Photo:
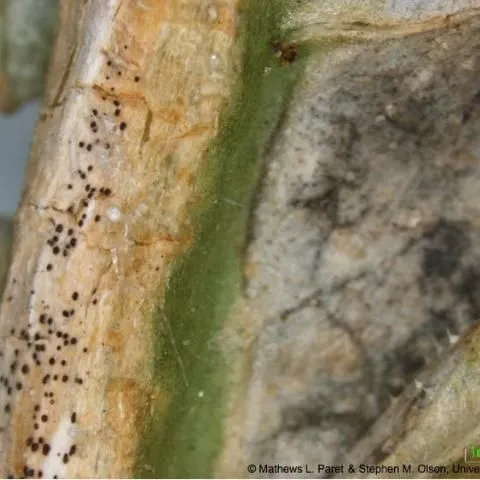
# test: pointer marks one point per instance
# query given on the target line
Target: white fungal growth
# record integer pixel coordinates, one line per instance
(61, 442)
(114, 214)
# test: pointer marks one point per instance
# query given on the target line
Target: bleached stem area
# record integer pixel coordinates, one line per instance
(133, 97)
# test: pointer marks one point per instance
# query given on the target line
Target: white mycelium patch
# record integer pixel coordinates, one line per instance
(114, 214)
(60, 446)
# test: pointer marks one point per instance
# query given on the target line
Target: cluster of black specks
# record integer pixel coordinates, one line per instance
(88, 190)
(46, 343)
(36, 347)
(37, 444)
(60, 242)
(114, 70)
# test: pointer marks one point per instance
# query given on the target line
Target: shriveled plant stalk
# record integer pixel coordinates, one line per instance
(133, 99)
(134, 337)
